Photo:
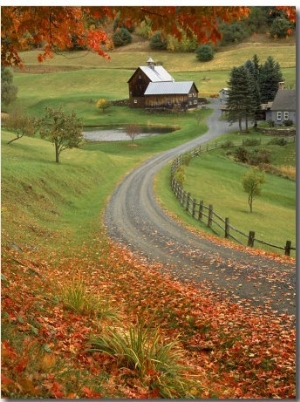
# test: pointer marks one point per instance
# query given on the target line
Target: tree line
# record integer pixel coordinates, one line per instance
(251, 85)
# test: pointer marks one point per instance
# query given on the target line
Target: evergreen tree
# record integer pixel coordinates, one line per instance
(253, 68)
(269, 78)
(240, 102)
(8, 89)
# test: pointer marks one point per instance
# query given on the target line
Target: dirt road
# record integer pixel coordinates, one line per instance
(134, 219)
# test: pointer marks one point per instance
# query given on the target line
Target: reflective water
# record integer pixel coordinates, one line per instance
(119, 134)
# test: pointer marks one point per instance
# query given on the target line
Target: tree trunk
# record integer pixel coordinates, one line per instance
(14, 139)
(56, 152)
(240, 124)
(250, 200)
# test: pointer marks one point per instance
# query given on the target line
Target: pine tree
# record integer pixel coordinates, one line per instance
(240, 103)
(269, 78)
(253, 68)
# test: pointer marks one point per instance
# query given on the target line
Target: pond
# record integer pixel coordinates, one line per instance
(119, 133)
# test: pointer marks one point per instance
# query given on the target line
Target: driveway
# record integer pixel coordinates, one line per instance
(135, 220)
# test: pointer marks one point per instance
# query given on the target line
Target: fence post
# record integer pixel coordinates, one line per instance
(226, 228)
(188, 201)
(251, 238)
(183, 197)
(210, 215)
(287, 249)
(200, 211)
(194, 208)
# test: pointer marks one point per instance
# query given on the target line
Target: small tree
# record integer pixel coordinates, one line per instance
(122, 37)
(103, 104)
(132, 130)
(158, 41)
(8, 89)
(64, 130)
(205, 53)
(252, 181)
(20, 124)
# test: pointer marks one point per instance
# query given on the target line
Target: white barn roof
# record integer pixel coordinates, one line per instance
(174, 88)
(156, 73)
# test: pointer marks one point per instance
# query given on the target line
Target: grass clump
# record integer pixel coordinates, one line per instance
(78, 298)
(142, 351)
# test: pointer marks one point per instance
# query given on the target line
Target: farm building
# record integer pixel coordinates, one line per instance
(283, 107)
(152, 86)
(223, 95)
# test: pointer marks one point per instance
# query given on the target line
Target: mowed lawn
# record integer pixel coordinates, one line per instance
(218, 181)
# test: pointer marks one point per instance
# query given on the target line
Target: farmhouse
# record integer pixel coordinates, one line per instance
(283, 107)
(152, 86)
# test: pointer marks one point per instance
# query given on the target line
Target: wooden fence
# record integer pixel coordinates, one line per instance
(206, 213)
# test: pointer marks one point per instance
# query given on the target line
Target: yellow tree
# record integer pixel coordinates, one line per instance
(103, 104)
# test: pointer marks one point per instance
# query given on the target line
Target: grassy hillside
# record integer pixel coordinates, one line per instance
(68, 292)
(98, 77)
(66, 289)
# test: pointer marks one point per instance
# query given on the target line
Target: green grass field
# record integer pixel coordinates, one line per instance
(78, 79)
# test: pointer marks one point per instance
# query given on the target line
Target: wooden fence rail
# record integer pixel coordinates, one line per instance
(204, 213)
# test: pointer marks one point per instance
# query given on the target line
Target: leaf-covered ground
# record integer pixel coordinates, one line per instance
(230, 351)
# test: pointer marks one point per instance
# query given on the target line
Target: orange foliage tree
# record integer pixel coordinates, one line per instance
(24, 27)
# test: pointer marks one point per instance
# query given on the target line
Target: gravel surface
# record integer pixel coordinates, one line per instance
(135, 220)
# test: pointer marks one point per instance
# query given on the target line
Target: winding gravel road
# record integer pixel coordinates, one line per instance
(134, 219)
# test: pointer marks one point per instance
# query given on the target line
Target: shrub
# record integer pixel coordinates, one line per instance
(278, 141)
(241, 154)
(122, 37)
(234, 32)
(204, 53)
(227, 144)
(288, 123)
(144, 29)
(251, 141)
(271, 123)
(158, 42)
(180, 175)
(258, 156)
(280, 27)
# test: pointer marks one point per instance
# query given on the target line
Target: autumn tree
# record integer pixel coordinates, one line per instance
(64, 130)
(103, 104)
(252, 181)
(20, 124)
(23, 27)
(133, 130)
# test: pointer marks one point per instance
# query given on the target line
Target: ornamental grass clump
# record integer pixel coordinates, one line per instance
(77, 297)
(142, 350)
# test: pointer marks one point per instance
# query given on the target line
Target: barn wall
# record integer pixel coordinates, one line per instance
(137, 101)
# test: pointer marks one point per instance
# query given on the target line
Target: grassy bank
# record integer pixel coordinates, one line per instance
(216, 180)
(66, 290)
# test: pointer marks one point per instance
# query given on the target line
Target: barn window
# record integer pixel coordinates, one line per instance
(135, 101)
(286, 115)
(279, 115)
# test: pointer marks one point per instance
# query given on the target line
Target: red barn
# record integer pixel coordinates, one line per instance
(152, 86)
